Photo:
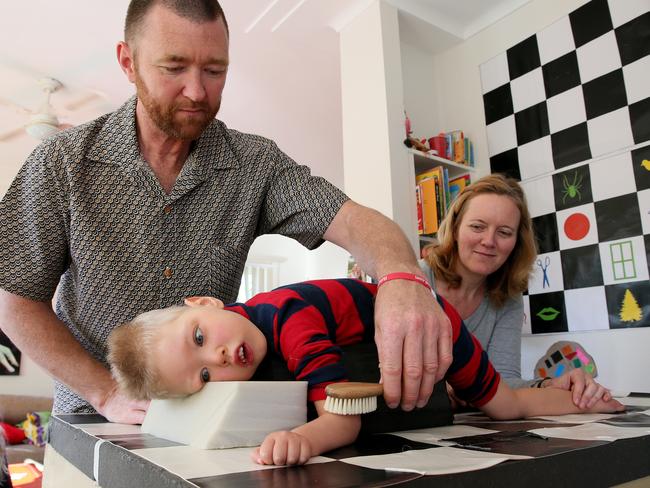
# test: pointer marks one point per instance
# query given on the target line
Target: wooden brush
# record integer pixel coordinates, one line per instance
(351, 398)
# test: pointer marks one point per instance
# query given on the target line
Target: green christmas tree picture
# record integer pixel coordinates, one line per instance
(630, 310)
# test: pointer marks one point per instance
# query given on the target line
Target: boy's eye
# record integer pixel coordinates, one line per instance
(198, 336)
(205, 375)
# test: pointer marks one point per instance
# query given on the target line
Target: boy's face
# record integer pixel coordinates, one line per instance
(206, 343)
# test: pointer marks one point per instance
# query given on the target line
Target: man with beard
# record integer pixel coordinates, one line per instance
(159, 200)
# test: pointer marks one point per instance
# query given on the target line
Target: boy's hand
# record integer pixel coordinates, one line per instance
(283, 448)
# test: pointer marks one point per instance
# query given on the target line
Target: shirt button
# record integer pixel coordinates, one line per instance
(167, 209)
(168, 272)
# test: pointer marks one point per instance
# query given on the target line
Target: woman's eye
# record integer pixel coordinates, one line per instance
(205, 375)
(198, 336)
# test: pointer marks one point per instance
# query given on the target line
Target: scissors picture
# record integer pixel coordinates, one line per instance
(544, 268)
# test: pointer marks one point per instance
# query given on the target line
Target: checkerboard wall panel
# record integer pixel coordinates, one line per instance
(583, 81)
(568, 113)
(592, 224)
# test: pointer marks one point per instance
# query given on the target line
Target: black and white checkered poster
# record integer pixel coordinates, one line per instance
(568, 113)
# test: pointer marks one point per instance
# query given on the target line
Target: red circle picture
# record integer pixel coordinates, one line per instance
(576, 226)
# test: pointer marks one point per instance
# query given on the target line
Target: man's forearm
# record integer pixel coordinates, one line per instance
(36, 331)
(376, 242)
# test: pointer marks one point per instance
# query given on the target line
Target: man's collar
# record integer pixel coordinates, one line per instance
(117, 143)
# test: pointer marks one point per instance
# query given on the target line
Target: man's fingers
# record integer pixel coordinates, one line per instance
(430, 362)
(412, 367)
(391, 368)
(445, 346)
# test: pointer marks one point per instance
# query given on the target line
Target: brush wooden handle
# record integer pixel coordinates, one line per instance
(348, 390)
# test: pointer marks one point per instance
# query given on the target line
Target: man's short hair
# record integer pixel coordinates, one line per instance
(130, 349)
(194, 10)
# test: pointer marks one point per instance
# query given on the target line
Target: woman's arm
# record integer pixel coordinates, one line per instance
(508, 404)
(329, 431)
(503, 342)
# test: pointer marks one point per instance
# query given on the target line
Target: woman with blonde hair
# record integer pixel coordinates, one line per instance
(481, 265)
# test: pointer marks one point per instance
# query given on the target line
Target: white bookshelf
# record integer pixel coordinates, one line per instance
(424, 162)
(420, 163)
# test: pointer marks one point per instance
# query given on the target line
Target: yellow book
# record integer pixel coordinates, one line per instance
(429, 206)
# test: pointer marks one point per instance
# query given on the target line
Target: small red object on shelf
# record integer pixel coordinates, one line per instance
(439, 144)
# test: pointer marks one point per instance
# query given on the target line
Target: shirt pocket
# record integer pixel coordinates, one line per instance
(226, 267)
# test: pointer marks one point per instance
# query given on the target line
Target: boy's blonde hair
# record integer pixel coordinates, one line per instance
(512, 277)
(129, 353)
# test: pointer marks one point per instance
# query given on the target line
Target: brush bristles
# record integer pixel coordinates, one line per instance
(351, 406)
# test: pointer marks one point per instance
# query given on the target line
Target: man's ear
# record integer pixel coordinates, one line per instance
(126, 60)
(198, 301)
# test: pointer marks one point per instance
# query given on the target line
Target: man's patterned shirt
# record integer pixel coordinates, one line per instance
(87, 213)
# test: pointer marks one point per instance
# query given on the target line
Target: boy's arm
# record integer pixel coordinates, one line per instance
(510, 404)
(323, 434)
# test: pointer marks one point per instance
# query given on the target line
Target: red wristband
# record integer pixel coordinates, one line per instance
(404, 276)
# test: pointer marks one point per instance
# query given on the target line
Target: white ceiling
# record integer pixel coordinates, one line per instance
(74, 41)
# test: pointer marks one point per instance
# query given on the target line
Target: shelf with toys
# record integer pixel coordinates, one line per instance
(437, 179)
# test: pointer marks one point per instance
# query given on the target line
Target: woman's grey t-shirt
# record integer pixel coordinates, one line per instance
(499, 332)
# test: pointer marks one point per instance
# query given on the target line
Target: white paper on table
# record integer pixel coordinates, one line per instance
(593, 432)
(227, 414)
(435, 435)
(189, 462)
(439, 460)
(109, 428)
(576, 418)
(635, 401)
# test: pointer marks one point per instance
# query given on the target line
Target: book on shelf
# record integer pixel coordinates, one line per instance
(434, 193)
(457, 185)
(437, 174)
(418, 198)
(428, 195)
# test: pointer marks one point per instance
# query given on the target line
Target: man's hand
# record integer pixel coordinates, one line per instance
(414, 342)
(119, 408)
(283, 448)
(7, 359)
(586, 391)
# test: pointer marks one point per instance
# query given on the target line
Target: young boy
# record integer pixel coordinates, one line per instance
(175, 351)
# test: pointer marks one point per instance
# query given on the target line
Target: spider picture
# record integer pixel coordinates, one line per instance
(572, 189)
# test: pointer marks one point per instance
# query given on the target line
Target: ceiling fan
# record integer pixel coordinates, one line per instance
(44, 122)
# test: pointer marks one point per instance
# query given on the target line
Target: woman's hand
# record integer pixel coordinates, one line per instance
(586, 391)
(283, 448)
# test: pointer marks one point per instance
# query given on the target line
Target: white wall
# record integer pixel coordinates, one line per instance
(621, 355)
(419, 73)
(296, 102)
